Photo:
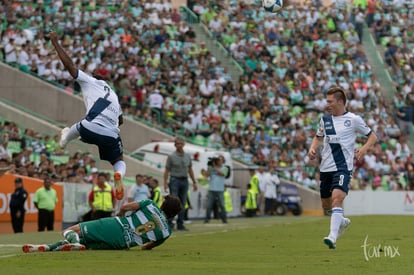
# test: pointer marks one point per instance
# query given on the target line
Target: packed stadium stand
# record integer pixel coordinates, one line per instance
(168, 78)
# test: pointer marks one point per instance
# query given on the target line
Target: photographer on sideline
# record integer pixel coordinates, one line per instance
(217, 173)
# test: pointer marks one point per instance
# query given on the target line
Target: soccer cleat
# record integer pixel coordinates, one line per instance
(119, 186)
(345, 223)
(329, 242)
(29, 248)
(72, 247)
(63, 135)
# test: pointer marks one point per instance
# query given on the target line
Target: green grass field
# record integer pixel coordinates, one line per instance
(268, 245)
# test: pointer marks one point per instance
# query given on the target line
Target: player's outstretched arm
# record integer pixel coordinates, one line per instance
(148, 245)
(66, 60)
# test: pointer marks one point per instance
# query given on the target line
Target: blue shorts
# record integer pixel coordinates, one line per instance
(110, 148)
(334, 180)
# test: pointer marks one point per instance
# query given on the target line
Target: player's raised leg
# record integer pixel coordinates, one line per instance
(67, 134)
(120, 169)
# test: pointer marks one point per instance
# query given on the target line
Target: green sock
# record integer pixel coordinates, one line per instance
(71, 236)
(54, 246)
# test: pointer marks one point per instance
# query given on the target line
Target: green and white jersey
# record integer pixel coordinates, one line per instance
(146, 224)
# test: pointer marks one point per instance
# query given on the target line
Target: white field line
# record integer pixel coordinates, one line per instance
(9, 245)
(8, 256)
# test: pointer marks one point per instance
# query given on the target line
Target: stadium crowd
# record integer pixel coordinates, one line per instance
(268, 117)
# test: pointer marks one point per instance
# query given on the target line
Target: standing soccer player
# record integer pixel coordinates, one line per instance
(103, 118)
(338, 131)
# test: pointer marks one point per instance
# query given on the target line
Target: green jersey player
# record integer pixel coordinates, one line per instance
(147, 227)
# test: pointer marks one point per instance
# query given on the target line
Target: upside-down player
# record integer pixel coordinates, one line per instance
(103, 117)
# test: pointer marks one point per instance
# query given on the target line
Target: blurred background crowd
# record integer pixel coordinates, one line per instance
(166, 77)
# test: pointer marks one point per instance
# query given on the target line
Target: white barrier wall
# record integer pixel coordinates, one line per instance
(75, 202)
(370, 202)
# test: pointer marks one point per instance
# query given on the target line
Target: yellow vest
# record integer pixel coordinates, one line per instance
(250, 200)
(202, 180)
(102, 199)
(228, 205)
(157, 196)
(254, 183)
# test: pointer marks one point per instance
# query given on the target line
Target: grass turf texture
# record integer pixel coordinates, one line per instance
(268, 245)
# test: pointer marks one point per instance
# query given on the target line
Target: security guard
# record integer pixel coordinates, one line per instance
(228, 204)
(156, 192)
(101, 198)
(250, 204)
(17, 209)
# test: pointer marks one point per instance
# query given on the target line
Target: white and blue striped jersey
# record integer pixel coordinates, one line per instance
(339, 133)
(92, 90)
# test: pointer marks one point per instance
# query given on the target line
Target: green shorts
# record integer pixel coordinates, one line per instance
(106, 233)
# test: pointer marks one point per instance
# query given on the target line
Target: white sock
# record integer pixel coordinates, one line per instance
(72, 134)
(336, 220)
(120, 167)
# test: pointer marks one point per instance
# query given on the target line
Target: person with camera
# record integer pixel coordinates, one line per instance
(217, 173)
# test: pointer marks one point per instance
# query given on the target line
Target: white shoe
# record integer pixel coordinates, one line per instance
(72, 247)
(63, 135)
(345, 223)
(330, 242)
(29, 248)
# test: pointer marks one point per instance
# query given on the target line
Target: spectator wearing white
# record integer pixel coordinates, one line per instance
(207, 87)
(264, 149)
(298, 174)
(10, 51)
(196, 117)
(216, 26)
(270, 183)
(370, 159)
(4, 152)
(189, 125)
(261, 175)
(320, 102)
(25, 157)
(47, 73)
(402, 148)
(23, 58)
(156, 101)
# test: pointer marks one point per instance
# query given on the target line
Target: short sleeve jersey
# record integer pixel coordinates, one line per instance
(92, 89)
(148, 224)
(339, 134)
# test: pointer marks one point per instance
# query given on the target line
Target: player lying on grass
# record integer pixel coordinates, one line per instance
(147, 226)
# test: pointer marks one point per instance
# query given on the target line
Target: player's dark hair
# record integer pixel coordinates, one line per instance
(338, 93)
(171, 206)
